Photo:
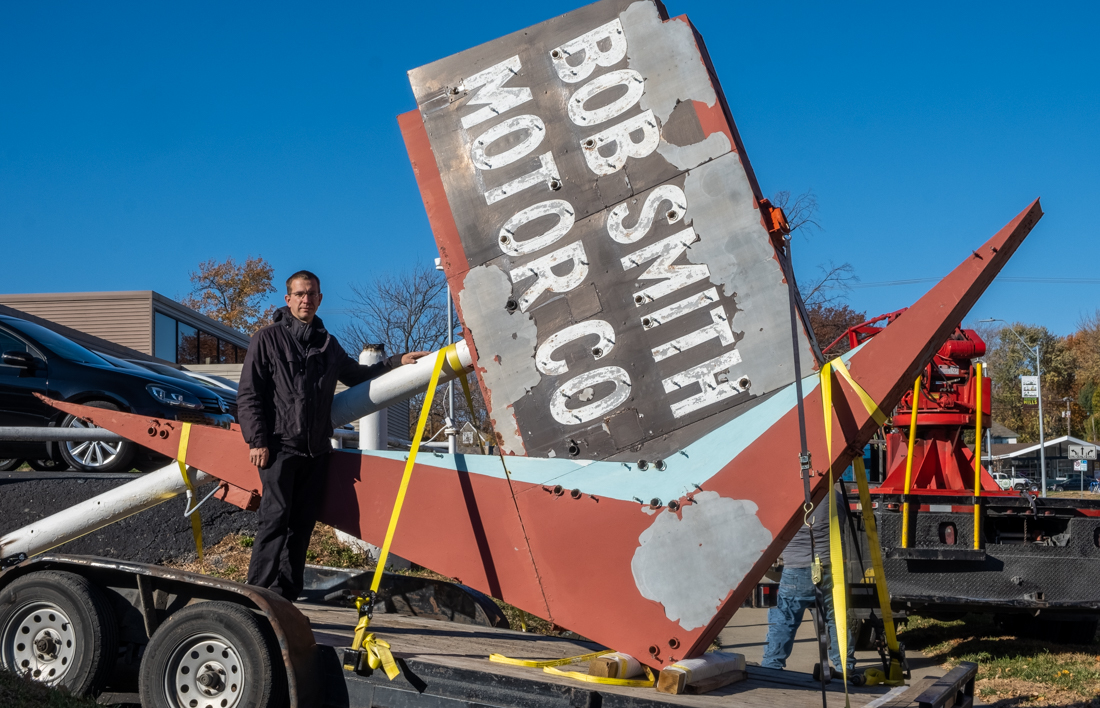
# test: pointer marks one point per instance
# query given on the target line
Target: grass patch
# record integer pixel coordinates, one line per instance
(1012, 670)
(229, 559)
(19, 692)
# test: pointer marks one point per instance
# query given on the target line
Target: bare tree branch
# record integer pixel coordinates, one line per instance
(801, 211)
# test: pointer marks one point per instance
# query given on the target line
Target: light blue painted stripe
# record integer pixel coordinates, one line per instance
(695, 464)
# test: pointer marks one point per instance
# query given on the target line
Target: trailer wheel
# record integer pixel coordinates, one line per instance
(58, 628)
(213, 655)
(12, 464)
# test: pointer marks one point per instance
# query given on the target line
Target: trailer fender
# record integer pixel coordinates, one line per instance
(292, 630)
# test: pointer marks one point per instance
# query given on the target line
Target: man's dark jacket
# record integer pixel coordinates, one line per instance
(289, 378)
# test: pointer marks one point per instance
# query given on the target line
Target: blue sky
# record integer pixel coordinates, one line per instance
(137, 139)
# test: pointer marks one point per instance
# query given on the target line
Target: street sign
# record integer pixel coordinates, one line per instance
(1080, 465)
(1029, 386)
(1082, 452)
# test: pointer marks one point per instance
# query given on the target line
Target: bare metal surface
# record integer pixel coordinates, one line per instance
(611, 264)
(37, 434)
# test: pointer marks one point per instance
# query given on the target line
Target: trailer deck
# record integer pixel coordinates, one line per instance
(446, 664)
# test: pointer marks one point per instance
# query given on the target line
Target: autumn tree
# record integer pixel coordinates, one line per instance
(233, 293)
(1007, 359)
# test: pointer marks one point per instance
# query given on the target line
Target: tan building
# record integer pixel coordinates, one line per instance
(141, 320)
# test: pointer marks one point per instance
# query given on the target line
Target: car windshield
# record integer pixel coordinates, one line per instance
(61, 346)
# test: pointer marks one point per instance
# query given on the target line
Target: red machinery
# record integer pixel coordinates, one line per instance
(942, 462)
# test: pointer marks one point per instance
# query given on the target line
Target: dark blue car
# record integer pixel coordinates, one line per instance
(34, 359)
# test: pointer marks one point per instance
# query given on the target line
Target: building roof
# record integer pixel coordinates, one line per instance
(1000, 431)
(160, 302)
(1014, 450)
(96, 344)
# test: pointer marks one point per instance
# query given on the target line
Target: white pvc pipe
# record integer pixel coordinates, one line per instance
(373, 427)
(159, 486)
(146, 491)
(394, 386)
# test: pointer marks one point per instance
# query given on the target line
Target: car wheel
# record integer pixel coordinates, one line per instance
(57, 628)
(1059, 488)
(96, 456)
(1019, 486)
(213, 653)
(48, 465)
(6, 465)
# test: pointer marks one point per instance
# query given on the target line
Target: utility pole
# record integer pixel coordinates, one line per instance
(451, 429)
(1039, 381)
(1067, 415)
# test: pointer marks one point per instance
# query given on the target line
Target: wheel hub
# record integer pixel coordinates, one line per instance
(205, 672)
(39, 641)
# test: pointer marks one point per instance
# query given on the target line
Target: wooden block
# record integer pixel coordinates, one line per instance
(705, 673)
(604, 666)
(716, 682)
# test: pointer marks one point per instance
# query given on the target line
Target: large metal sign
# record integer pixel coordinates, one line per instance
(602, 230)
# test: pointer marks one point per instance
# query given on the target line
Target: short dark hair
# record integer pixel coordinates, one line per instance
(302, 275)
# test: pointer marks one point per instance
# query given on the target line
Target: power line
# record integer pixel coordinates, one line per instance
(1048, 281)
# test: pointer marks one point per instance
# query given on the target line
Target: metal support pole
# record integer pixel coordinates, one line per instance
(452, 433)
(1042, 435)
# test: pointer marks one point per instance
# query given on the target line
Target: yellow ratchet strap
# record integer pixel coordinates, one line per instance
(836, 548)
(378, 650)
(909, 465)
(181, 458)
(871, 526)
(548, 666)
(647, 682)
(542, 664)
(978, 463)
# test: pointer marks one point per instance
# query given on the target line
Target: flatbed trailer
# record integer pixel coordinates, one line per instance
(442, 663)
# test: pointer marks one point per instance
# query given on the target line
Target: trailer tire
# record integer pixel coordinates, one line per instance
(74, 622)
(12, 464)
(47, 465)
(214, 654)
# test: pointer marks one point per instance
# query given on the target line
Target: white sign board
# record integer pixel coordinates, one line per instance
(1029, 386)
(1082, 452)
(1080, 465)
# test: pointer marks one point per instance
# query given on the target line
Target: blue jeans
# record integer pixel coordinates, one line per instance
(796, 595)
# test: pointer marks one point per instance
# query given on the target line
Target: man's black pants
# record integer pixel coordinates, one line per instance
(294, 488)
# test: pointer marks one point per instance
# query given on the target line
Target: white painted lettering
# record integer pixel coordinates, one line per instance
(603, 331)
(560, 208)
(709, 377)
(544, 174)
(673, 277)
(719, 327)
(665, 193)
(532, 125)
(678, 309)
(582, 387)
(491, 91)
(578, 58)
(619, 138)
(635, 87)
(546, 279)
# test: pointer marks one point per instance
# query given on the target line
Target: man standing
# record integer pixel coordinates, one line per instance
(797, 592)
(285, 411)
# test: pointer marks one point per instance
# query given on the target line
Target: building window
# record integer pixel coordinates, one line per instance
(208, 348)
(187, 345)
(164, 337)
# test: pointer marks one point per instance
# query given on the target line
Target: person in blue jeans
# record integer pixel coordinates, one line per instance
(796, 593)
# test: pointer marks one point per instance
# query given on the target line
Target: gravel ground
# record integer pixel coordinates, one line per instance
(150, 536)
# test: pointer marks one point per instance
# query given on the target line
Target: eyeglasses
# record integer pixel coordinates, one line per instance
(303, 294)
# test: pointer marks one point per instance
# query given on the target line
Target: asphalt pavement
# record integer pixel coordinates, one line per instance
(150, 536)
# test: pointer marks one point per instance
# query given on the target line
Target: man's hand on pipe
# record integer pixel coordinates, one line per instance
(411, 357)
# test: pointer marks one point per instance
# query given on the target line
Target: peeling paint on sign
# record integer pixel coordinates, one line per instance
(588, 163)
(691, 563)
